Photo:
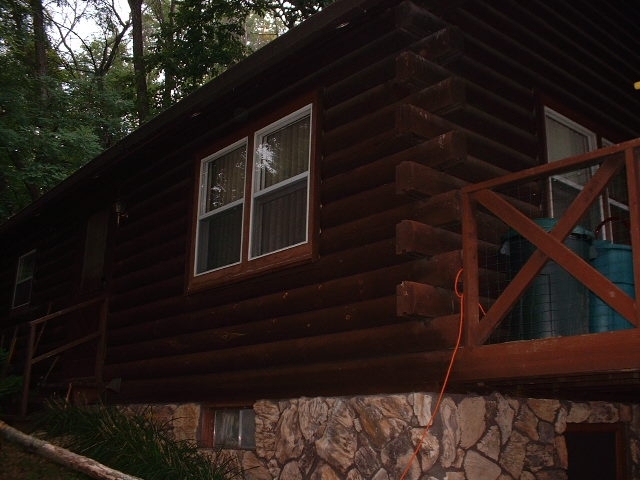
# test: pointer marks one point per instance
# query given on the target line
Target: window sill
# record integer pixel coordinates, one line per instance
(266, 264)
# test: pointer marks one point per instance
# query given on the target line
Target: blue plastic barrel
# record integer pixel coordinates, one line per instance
(555, 304)
(615, 262)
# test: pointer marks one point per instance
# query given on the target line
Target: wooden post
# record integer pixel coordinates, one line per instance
(27, 369)
(471, 297)
(632, 158)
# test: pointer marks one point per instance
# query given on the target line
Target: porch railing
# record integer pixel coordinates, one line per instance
(36, 331)
(489, 197)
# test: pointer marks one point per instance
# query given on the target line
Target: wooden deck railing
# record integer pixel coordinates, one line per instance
(36, 330)
(550, 246)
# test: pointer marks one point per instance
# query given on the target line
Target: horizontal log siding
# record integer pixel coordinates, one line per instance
(404, 96)
(342, 306)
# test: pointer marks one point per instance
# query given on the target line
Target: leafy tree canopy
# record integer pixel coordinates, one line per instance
(68, 92)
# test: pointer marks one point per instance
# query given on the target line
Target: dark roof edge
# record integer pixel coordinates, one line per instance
(296, 39)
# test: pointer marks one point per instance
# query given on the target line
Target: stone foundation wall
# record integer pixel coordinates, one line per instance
(472, 438)
(374, 437)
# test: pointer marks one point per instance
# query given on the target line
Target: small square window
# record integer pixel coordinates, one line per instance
(24, 279)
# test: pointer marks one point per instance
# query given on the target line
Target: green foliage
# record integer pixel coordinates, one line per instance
(134, 443)
(51, 125)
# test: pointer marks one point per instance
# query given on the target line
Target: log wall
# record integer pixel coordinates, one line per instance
(415, 101)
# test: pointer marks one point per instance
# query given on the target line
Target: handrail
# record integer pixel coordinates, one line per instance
(549, 244)
(99, 334)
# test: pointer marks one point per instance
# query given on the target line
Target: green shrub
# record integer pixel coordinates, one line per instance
(134, 443)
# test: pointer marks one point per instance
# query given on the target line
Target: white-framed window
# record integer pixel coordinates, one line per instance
(566, 138)
(24, 279)
(235, 428)
(254, 200)
(280, 193)
(221, 208)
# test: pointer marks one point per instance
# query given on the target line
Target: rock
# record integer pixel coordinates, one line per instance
(602, 412)
(288, 444)
(578, 413)
(381, 475)
(253, 468)
(450, 432)
(527, 423)
(338, 444)
(561, 452)
(513, 455)
(478, 467)
(490, 443)
(324, 472)
(471, 415)
(291, 471)
(561, 421)
(397, 456)
(312, 416)
(552, 475)
(422, 407)
(429, 448)
(185, 421)
(546, 432)
(267, 416)
(366, 460)
(544, 409)
(354, 475)
(539, 456)
(504, 418)
(382, 418)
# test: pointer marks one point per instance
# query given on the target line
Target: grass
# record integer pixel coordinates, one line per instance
(18, 464)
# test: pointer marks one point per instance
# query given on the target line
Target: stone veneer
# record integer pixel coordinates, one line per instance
(373, 437)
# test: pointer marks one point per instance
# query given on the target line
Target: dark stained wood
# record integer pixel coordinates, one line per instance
(422, 300)
(417, 180)
(441, 150)
(406, 336)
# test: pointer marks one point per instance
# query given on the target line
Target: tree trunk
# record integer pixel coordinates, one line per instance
(62, 456)
(40, 45)
(142, 97)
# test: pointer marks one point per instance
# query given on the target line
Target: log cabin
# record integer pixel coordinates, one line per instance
(317, 249)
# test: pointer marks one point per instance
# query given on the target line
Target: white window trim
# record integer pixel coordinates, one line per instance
(202, 195)
(21, 259)
(307, 110)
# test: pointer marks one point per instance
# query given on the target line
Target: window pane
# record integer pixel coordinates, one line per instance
(220, 236)
(225, 179)
(280, 218)
(282, 154)
(24, 279)
(248, 428)
(227, 428)
(564, 141)
(563, 195)
(26, 265)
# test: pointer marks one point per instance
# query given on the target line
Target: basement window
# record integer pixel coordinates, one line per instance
(24, 279)
(255, 200)
(597, 451)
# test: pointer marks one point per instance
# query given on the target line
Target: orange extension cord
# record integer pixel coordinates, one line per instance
(446, 377)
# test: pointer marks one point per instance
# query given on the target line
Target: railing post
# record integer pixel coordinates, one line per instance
(26, 376)
(632, 163)
(471, 298)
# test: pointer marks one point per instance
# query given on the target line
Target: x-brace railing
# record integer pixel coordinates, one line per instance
(549, 245)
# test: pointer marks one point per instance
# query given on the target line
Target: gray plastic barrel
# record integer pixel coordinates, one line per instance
(555, 304)
(615, 262)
